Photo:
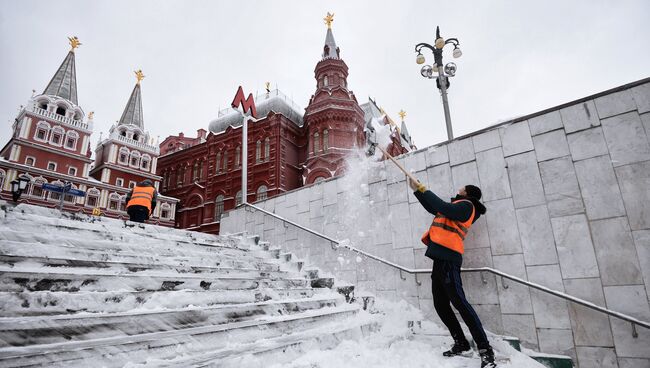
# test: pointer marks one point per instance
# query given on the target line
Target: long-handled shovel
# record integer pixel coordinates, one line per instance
(373, 143)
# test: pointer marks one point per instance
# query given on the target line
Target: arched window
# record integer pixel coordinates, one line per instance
(56, 138)
(326, 140)
(134, 160)
(71, 139)
(123, 133)
(146, 159)
(114, 202)
(195, 171)
(258, 151)
(218, 207)
(237, 157)
(316, 142)
(325, 81)
(42, 104)
(238, 198)
(37, 187)
(124, 156)
(92, 197)
(225, 160)
(180, 175)
(60, 110)
(165, 211)
(136, 137)
(261, 193)
(267, 149)
(42, 131)
(218, 163)
(319, 179)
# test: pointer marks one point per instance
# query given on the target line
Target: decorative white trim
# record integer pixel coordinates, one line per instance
(48, 165)
(33, 163)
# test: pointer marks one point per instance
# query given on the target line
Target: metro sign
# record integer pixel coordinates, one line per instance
(246, 104)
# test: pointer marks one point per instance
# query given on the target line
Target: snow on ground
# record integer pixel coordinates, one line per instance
(394, 345)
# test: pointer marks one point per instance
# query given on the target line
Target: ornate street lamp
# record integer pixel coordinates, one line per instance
(449, 70)
(18, 185)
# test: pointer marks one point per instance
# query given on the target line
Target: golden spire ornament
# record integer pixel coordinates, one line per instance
(267, 85)
(74, 42)
(139, 75)
(329, 18)
(402, 114)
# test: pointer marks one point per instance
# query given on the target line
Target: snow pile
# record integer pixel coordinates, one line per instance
(381, 133)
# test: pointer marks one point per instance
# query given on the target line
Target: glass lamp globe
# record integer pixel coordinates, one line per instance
(457, 53)
(419, 59)
(440, 43)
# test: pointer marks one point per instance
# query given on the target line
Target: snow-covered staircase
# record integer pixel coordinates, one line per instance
(79, 291)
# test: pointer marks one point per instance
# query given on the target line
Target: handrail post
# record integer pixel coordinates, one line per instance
(503, 283)
(635, 334)
(401, 275)
(418, 282)
(483, 279)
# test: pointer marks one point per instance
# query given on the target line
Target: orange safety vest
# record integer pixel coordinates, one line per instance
(142, 196)
(447, 232)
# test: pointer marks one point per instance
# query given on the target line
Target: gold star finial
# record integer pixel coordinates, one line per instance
(402, 114)
(74, 42)
(267, 85)
(91, 115)
(139, 75)
(329, 18)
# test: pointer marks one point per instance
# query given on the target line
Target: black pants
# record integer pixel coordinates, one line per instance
(447, 287)
(138, 213)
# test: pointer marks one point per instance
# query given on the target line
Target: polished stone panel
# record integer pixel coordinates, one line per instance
(437, 155)
(522, 326)
(641, 95)
(545, 123)
(615, 103)
(513, 297)
(525, 181)
(461, 151)
(595, 357)
(631, 300)
(561, 187)
(642, 243)
(556, 341)
(536, 235)
(579, 116)
(493, 174)
(550, 311)
(617, 257)
(551, 145)
(626, 139)
(587, 143)
(590, 327)
(465, 174)
(516, 138)
(486, 140)
(574, 247)
(504, 237)
(440, 181)
(599, 188)
(634, 181)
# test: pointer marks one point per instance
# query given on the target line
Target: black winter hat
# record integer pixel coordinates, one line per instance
(473, 191)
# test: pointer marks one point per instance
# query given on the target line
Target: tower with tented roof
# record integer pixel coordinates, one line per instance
(128, 155)
(51, 135)
(333, 118)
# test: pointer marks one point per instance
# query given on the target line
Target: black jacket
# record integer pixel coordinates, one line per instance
(460, 211)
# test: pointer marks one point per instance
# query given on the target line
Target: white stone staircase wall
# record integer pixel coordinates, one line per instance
(568, 207)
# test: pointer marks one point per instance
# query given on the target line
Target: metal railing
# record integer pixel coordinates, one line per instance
(335, 244)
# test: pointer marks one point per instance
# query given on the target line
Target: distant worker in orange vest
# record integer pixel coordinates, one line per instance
(444, 242)
(141, 201)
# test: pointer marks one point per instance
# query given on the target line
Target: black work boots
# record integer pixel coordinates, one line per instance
(487, 358)
(461, 347)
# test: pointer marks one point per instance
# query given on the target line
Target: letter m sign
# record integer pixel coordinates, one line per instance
(246, 104)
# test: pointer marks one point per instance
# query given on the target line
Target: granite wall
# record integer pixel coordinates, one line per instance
(568, 198)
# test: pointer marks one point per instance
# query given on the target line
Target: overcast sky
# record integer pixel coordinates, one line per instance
(519, 57)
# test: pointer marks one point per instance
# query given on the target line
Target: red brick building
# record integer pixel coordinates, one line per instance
(288, 146)
(51, 144)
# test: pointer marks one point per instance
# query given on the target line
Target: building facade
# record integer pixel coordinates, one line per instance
(288, 146)
(51, 144)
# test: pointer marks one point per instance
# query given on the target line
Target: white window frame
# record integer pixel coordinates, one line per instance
(134, 155)
(57, 130)
(127, 154)
(33, 163)
(3, 176)
(132, 184)
(50, 194)
(218, 207)
(74, 135)
(165, 207)
(145, 162)
(119, 182)
(262, 191)
(40, 180)
(42, 125)
(72, 168)
(92, 193)
(113, 197)
(52, 162)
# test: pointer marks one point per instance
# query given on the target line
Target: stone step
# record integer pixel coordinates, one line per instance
(24, 331)
(118, 351)
(97, 280)
(116, 243)
(80, 265)
(279, 350)
(39, 303)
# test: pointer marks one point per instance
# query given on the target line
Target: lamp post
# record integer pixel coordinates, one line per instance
(17, 187)
(449, 70)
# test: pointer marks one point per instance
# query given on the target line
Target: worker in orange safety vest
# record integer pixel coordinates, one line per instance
(445, 245)
(141, 201)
